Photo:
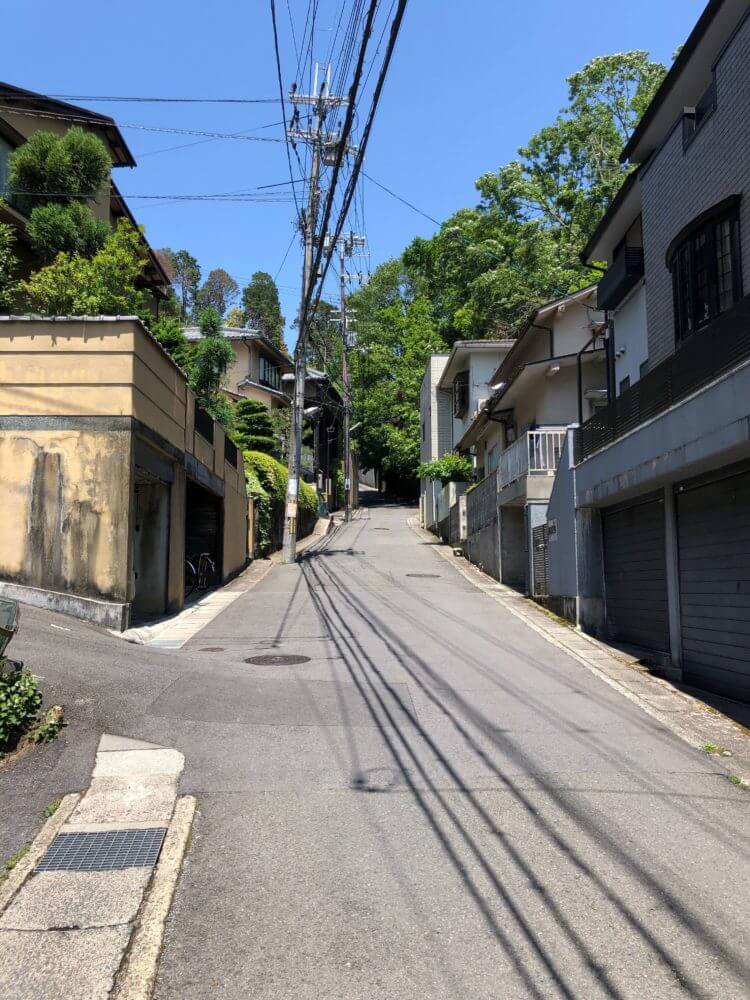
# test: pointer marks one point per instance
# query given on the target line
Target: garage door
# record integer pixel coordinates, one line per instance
(635, 575)
(714, 547)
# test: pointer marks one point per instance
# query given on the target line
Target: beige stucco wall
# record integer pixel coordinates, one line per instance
(66, 455)
(65, 497)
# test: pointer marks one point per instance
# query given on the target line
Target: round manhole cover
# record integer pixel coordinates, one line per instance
(212, 649)
(277, 660)
(426, 576)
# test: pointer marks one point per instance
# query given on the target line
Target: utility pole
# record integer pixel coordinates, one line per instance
(346, 247)
(323, 144)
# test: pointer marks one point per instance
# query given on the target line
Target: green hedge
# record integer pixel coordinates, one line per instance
(267, 482)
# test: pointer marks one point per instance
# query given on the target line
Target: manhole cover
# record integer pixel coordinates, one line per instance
(277, 660)
(425, 576)
(212, 649)
(103, 851)
(381, 529)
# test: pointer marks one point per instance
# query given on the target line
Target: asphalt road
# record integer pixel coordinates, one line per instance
(438, 803)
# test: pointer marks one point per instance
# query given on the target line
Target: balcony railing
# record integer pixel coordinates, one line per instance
(535, 454)
(621, 276)
(713, 351)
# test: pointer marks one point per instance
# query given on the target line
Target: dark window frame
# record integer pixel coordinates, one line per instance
(461, 394)
(264, 367)
(693, 258)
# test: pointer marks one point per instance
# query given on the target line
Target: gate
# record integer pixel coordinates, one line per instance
(540, 543)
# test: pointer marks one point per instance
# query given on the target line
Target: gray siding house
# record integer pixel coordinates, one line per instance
(650, 510)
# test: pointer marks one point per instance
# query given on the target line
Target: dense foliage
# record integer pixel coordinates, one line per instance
(267, 483)
(53, 177)
(260, 301)
(254, 427)
(451, 468)
(8, 268)
(105, 284)
(213, 356)
(485, 269)
(20, 702)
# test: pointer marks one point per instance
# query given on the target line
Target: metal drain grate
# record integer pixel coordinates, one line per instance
(426, 576)
(381, 529)
(212, 649)
(103, 851)
(277, 660)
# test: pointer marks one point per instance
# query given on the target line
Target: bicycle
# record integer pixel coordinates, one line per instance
(202, 577)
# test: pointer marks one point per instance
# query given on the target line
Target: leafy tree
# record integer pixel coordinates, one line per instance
(186, 274)
(8, 267)
(213, 355)
(71, 229)
(53, 176)
(104, 284)
(168, 331)
(324, 344)
(235, 317)
(254, 427)
(396, 335)
(262, 307)
(218, 291)
(59, 168)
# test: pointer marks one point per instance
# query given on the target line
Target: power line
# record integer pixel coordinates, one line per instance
(145, 128)
(399, 198)
(156, 100)
(283, 105)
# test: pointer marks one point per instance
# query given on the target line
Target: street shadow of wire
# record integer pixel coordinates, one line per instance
(369, 670)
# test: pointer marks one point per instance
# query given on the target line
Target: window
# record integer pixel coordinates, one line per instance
(705, 267)
(460, 394)
(625, 384)
(269, 374)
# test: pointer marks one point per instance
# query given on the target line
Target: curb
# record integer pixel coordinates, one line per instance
(137, 975)
(687, 717)
(16, 878)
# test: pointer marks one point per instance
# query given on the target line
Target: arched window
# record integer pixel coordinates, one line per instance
(704, 259)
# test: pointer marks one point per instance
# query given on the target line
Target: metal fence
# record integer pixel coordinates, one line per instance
(711, 352)
(481, 504)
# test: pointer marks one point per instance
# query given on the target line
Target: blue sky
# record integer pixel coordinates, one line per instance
(469, 83)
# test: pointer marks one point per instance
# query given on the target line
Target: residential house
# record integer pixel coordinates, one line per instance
(518, 433)
(258, 369)
(23, 113)
(435, 415)
(454, 387)
(652, 509)
(322, 449)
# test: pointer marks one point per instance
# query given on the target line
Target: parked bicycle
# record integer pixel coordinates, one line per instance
(200, 573)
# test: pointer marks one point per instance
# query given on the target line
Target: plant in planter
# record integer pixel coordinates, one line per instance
(451, 468)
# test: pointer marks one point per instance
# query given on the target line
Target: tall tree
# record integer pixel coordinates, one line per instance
(213, 356)
(54, 177)
(235, 317)
(255, 429)
(186, 276)
(262, 307)
(218, 291)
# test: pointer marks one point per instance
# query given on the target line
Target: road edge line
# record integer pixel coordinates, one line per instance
(136, 977)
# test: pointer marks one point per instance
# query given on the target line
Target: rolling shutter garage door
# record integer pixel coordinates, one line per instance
(714, 547)
(635, 574)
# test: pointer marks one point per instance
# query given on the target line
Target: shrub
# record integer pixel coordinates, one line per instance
(8, 267)
(71, 229)
(104, 285)
(20, 702)
(451, 468)
(255, 427)
(267, 482)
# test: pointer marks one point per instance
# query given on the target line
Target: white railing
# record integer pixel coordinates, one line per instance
(535, 454)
